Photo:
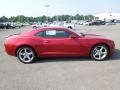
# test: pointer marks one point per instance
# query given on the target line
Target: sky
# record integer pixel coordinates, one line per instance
(57, 7)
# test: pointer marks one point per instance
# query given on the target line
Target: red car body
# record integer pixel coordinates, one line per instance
(78, 45)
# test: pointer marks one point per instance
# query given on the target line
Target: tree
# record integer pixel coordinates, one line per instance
(22, 19)
(78, 17)
(44, 18)
(30, 19)
(12, 19)
(3, 19)
(68, 18)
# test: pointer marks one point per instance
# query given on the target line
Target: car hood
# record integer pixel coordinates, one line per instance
(95, 36)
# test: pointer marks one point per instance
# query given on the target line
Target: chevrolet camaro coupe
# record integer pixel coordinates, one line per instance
(57, 42)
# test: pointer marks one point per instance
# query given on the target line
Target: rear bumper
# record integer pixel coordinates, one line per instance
(10, 49)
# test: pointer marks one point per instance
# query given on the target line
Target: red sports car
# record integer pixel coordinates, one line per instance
(58, 42)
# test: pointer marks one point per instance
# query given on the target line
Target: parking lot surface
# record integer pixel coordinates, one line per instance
(62, 73)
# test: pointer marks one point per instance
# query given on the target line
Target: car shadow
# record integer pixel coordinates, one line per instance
(115, 56)
(62, 59)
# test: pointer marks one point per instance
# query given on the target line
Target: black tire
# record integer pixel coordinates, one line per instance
(101, 54)
(21, 54)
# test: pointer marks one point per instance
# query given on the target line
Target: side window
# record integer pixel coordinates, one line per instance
(56, 33)
(40, 34)
(50, 33)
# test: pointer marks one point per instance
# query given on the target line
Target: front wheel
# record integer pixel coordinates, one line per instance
(99, 52)
(26, 55)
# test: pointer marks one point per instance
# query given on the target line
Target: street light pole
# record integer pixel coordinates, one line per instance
(47, 6)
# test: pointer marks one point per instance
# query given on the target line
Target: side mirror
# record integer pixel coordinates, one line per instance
(73, 36)
(82, 34)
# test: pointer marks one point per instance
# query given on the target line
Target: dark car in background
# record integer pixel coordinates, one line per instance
(2, 26)
(97, 22)
(6, 26)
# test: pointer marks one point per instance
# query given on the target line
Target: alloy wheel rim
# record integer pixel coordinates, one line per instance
(26, 55)
(100, 52)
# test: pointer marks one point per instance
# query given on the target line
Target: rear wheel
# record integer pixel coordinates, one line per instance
(26, 55)
(99, 52)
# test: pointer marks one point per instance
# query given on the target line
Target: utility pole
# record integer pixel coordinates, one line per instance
(47, 7)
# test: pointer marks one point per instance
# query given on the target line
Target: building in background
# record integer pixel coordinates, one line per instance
(108, 16)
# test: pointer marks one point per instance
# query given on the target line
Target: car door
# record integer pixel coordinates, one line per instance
(59, 43)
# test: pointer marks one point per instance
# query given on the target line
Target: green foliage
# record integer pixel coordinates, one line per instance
(3, 19)
(68, 18)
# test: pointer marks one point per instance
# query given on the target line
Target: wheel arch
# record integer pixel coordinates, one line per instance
(25, 45)
(108, 47)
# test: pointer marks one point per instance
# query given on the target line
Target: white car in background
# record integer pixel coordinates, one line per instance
(45, 24)
(57, 24)
(69, 25)
(86, 23)
(37, 25)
